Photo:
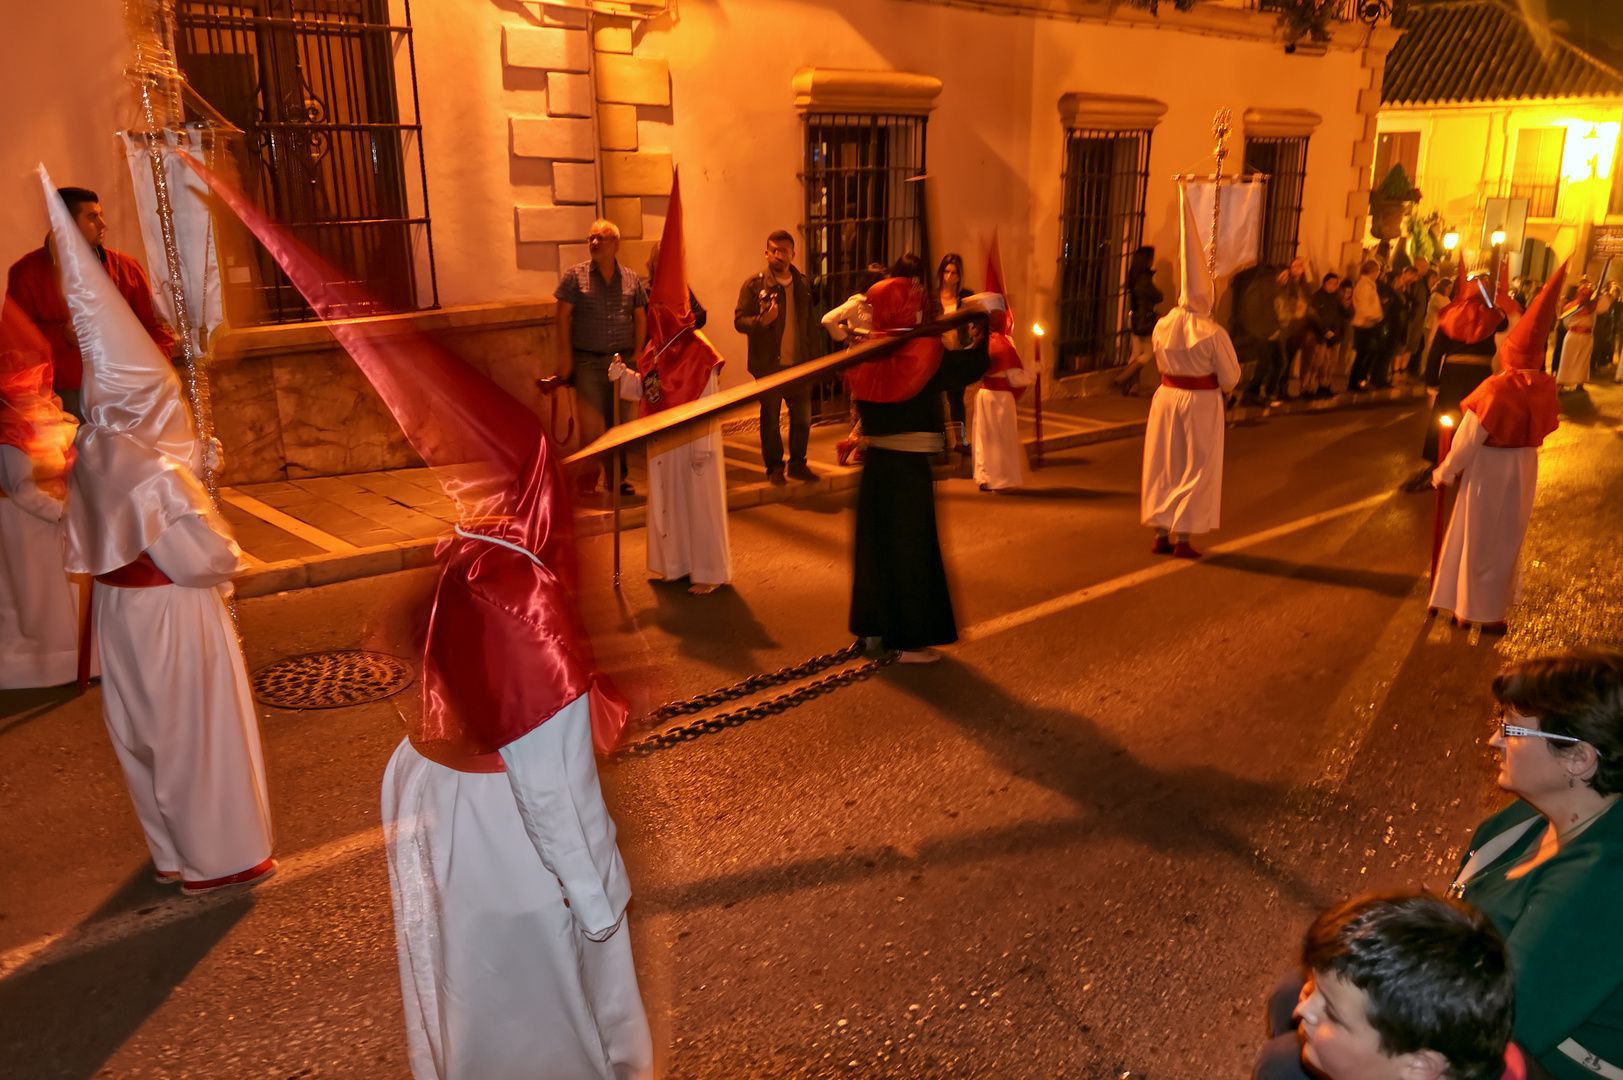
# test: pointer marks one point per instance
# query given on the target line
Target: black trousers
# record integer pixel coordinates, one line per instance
(799, 428)
(899, 584)
(1367, 350)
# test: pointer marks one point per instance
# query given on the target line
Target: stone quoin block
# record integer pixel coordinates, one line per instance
(627, 214)
(549, 48)
(612, 39)
(631, 80)
(568, 95)
(1369, 101)
(558, 138)
(636, 174)
(1364, 155)
(617, 127)
(543, 224)
(1357, 203)
(574, 182)
(572, 255)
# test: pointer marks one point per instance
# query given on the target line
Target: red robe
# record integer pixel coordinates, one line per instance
(34, 286)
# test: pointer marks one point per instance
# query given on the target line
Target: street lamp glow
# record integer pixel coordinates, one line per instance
(1037, 328)
(1451, 239)
(1498, 237)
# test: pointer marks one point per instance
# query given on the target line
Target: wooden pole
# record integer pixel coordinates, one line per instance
(614, 476)
(1445, 438)
(1037, 388)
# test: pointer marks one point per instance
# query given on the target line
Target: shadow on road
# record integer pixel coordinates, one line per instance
(1394, 585)
(114, 988)
(19, 707)
(718, 629)
(1043, 493)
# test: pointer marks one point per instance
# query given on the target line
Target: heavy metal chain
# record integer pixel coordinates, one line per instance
(660, 740)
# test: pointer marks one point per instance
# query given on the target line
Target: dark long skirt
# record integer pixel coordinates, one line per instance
(899, 588)
(1454, 385)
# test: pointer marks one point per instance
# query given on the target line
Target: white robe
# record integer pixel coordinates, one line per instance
(1479, 572)
(1183, 441)
(39, 602)
(687, 499)
(509, 904)
(996, 435)
(177, 704)
(1576, 349)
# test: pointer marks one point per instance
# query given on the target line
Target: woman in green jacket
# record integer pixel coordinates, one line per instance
(1547, 869)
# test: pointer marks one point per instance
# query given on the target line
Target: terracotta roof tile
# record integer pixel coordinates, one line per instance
(1481, 50)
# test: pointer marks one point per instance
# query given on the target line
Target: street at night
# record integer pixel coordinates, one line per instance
(1085, 844)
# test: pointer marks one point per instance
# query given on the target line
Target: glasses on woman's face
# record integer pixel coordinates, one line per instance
(1509, 730)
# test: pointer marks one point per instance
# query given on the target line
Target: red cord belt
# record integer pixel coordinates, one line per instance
(143, 573)
(1190, 382)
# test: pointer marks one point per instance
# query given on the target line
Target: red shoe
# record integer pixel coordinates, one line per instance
(842, 450)
(1183, 549)
(251, 876)
(1162, 546)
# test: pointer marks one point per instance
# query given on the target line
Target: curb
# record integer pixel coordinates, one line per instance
(330, 568)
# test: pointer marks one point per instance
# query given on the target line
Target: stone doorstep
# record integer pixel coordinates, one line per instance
(330, 567)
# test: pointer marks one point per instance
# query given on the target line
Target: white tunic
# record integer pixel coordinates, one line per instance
(1183, 441)
(1479, 572)
(39, 603)
(995, 439)
(509, 905)
(177, 704)
(1576, 349)
(687, 499)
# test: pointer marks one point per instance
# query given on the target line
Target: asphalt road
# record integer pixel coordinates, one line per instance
(1084, 845)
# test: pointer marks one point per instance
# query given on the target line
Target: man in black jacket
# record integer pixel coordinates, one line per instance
(775, 313)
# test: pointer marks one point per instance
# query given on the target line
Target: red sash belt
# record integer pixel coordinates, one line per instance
(1190, 382)
(1580, 329)
(143, 573)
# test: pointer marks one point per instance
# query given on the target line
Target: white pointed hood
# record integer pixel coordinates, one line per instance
(138, 455)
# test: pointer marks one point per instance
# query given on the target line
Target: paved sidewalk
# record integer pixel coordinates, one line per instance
(301, 533)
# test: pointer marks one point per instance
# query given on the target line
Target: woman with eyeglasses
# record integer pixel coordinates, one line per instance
(1547, 869)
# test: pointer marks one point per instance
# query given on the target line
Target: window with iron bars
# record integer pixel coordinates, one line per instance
(1106, 175)
(863, 204)
(1284, 161)
(326, 149)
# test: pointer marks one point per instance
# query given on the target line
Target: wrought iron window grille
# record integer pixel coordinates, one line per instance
(1101, 224)
(316, 88)
(1284, 161)
(864, 205)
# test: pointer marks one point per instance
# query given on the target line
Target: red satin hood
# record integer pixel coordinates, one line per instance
(897, 303)
(1518, 408)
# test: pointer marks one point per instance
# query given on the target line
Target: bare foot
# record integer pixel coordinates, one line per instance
(918, 656)
(701, 589)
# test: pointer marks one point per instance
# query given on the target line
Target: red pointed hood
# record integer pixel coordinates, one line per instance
(1519, 406)
(1471, 318)
(680, 357)
(1524, 345)
(505, 649)
(897, 304)
(1501, 295)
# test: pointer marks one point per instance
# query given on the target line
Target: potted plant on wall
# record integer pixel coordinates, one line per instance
(1390, 202)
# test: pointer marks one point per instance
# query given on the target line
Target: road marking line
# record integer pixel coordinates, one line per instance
(1150, 573)
(286, 522)
(55, 948)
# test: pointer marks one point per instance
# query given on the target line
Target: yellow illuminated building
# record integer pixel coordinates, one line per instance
(1478, 105)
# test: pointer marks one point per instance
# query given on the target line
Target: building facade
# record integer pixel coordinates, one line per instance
(1479, 106)
(452, 155)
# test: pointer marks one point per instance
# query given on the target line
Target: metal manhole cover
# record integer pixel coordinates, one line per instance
(330, 680)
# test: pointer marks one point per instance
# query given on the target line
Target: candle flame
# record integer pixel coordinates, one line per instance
(1447, 421)
(1037, 328)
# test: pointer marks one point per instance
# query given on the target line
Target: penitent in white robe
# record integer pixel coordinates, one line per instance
(509, 906)
(687, 499)
(1183, 441)
(996, 440)
(177, 704)
(39, 602)
(1479, 572)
